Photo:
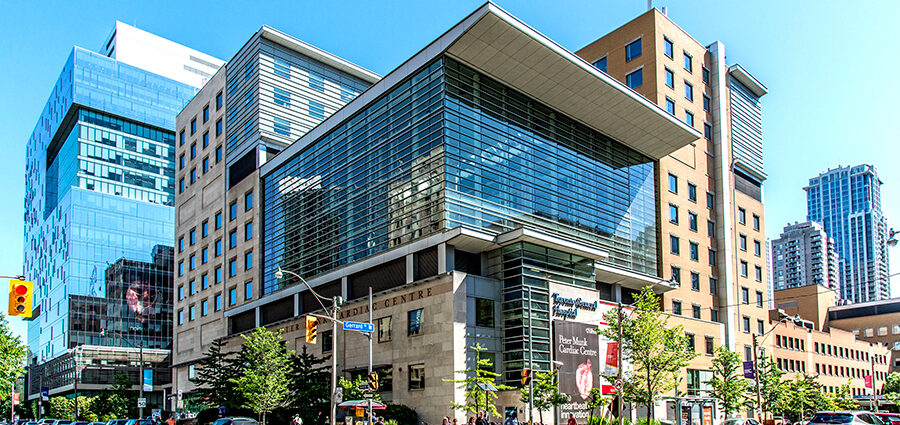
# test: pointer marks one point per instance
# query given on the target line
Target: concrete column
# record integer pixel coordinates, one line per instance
(442, 258)
(345, 287)
(296, 304)
(410, 268)
(258, 316)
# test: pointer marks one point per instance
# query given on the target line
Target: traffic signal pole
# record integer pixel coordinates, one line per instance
(369, 334)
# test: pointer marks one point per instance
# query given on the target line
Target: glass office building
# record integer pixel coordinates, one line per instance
(99, 193)
(847, 202)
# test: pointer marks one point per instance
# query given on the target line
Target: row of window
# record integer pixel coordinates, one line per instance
(745, 296)
(846, 372)
(881, 331)
(709, 346)
(790, 343)
(220, 101)
(194, 175)
(217, 303)
(760, 325)
(696, 311)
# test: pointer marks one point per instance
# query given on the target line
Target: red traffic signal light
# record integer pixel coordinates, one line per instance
(20, 297)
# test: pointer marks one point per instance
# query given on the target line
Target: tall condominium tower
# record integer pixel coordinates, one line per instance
(804, 255)
(710, 192)
(99, 216)
(847, 201)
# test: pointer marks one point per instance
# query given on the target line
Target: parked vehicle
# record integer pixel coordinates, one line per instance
(846, 417)
(117, 422)
(888, 418)
(139, 422)
(240, 420)
(97, 423)
(740, 421)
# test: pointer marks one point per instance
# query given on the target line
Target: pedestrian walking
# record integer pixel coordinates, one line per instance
(481, 420)
(470, 421)
(572, 420)
(380, 421)
(296, 420)
(512, 419)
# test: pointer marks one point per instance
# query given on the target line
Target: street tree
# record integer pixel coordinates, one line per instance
(772, 387)
(61, 407)
(546, 393)
(594, 401)
(311, 380)
(351, 389)
(656, 351)
(728, 383)
(842, 398)
(804, 396)
(264, 378)
(473, 380)
(214, 379)
(12, 358)
(891, 388)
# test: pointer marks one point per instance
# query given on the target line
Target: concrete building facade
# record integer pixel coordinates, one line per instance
(847, 202)
(874, 321)
(804, 255)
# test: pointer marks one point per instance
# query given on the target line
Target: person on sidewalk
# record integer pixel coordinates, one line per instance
(481, 420)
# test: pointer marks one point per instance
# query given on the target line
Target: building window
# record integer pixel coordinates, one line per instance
(705, 74)
(205, 139)
(193, 150)
(218, 220)
(232, 239)
(193, 263)
(673, 183)
(248, 230)
(248, 290)
(384, 329)
(742, 216)
(676, 275)
(696, 311)
(673, 214)
(707, 103)
(713, 286)
(281, 97)
(205, 114)
(180, 317)
(232, 211)
(181, 185)
(744, 269)
(757, 248)
(218, 275)
(219, 101)
(316, 110)
(714, 315)
(670, 78)
(282, 68)
(670, 106)
(204, 229)
(692, 345)
(316, 81)
(760, 327)
(688, 62)
(191, 313)
(219, 127)
(758, 271)
(218, 154)
(746, 323)
(181, 162)
(193, 126)
(204, 255)
(710, 346)
(710, 201)
(327, 341)
(689, 91)
(668, 48)
(180, 292)
(281, 126)
(689, 118)
(218, 304)
(692, 221)
(415, 322)
(601, 64)
(204, 308)
(712, 257)
(248, 201)
(181, 138)
(711, 228)
(676, 307)
(635, 79)
(204, 281)
(745, 295)
(248, 260)
(694, 251)
(218, 248)
(707, 131)
(692, 192)
(232, 268)
(192, 289)
(484, 312)
(232, 296)
(674, 245)
(417, 376)
(633, 50)
(695, 281)
(193, 175)
(742, 242)
(755, 222)
(181, 244)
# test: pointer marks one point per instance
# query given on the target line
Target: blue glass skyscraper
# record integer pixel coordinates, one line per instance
(847, 202)
(99, 192)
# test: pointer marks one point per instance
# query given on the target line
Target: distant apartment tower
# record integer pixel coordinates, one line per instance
(710, 192)
(99, 216)
(804, 255)
(274, 90)
(847, 202)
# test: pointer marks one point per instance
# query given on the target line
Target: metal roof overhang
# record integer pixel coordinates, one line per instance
(498, 44)
(608, 274)
(748, 80)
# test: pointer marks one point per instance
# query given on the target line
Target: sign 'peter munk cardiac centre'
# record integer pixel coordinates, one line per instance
(568, 308)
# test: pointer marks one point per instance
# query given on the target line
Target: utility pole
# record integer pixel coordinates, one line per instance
(756, 378)
(619, 402)
(874, 392)
(334, 331)
(530, 362)
(369, 334)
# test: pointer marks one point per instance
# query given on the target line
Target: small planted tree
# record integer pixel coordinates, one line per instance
(264, 378)
(772, 388)
(311, 382)
(728, 384)
(215, 385)
(546, 393)
(352, 391)
(477, 398)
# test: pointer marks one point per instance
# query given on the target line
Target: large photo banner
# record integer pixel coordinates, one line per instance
(577, 347)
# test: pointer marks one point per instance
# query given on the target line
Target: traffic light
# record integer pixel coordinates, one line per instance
(20, 298)
(311, 333)
(373, 381)
(526, 375)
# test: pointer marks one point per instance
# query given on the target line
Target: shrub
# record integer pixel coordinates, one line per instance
(401, 414)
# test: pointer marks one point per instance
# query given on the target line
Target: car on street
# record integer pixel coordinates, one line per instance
(888, 418)
(240, 420)
(740, 421)
(139, 422)
(117, 422)
(846, 417)
(97, 423)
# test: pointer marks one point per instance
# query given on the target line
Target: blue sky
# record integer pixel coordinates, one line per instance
(827, 65)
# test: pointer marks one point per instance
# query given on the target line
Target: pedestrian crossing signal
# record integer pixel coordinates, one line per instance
(526, 375)
(373, 381)
(20, 298)
(311, 333)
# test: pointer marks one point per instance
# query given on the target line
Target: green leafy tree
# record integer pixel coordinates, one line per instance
(215, 378)
(843, 398)
(401, 414)
(728, 384)
(264, 378)
(476, 398)
(804, 396)
(594, 401)
(61, 407)
(352, 391)
(891, 388)
(772, 387)
(311, 380)
(12, 358)
(546, 393)
(657, 352)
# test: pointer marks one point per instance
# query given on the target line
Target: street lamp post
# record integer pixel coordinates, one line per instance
(336, 302)
(527, 289)
(756, 365)
(140, 348)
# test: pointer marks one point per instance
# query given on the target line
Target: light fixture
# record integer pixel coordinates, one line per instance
(279, 274)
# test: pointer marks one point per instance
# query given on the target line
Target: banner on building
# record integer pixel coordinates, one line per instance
(577, 347)
(707, 415)
(612, 359)
(870, 383)
(749, 371)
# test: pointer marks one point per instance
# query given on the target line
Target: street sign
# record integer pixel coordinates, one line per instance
(749, 372)
(364, 386)
(360, 412)
(338, 395)
(221, 410)
(618, 385)
(45, 393)
(359, 326)
(15, 399)
(142, 402)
